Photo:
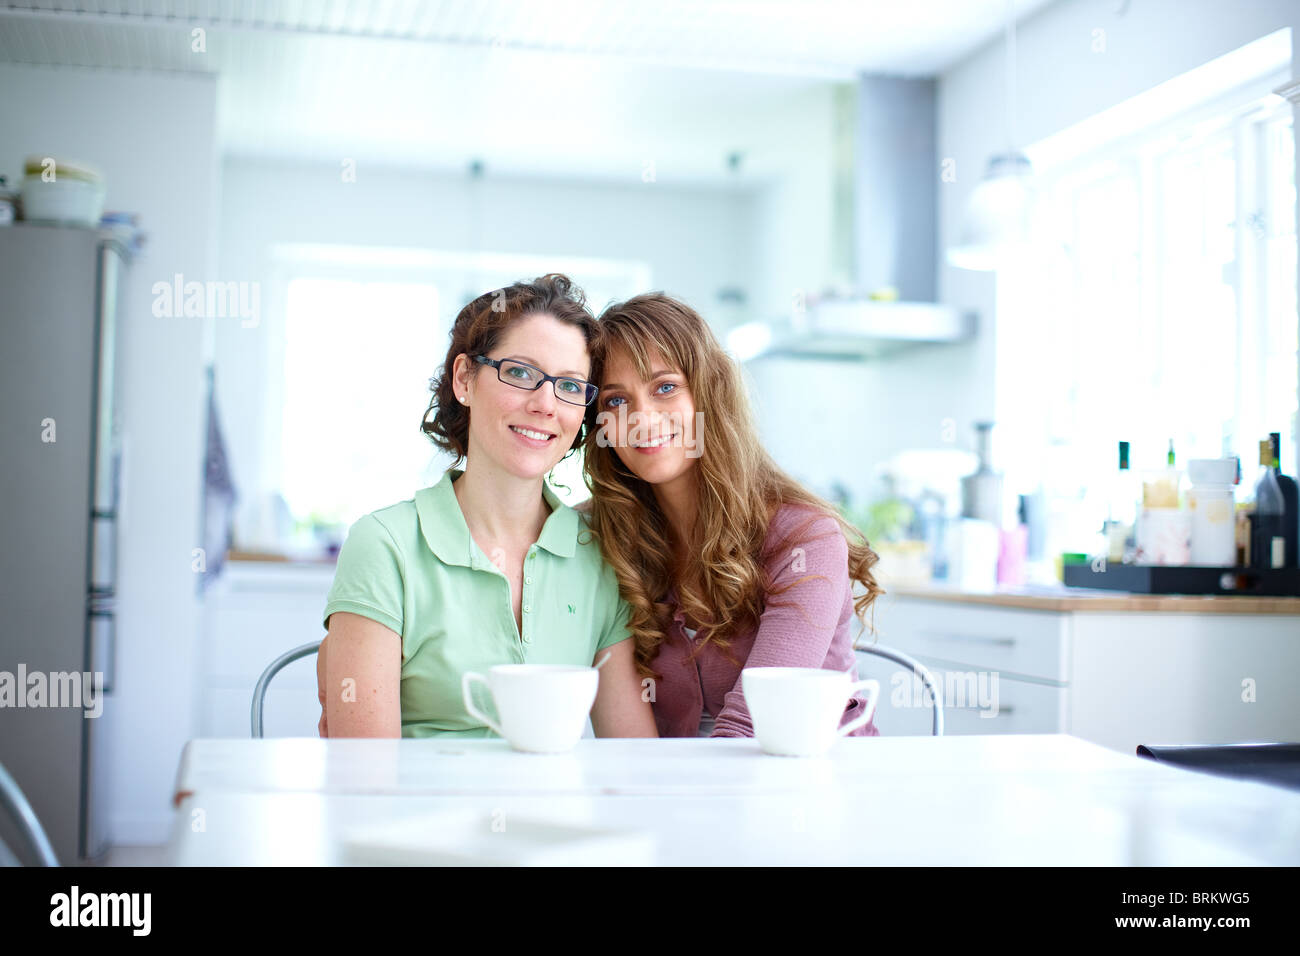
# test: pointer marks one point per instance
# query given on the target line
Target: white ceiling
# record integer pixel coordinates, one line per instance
(550, 87)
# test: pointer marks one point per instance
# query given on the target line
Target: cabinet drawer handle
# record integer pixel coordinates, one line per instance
(971, 638)
(1003, 709)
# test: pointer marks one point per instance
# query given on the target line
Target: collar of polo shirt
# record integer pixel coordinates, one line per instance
(445, 532)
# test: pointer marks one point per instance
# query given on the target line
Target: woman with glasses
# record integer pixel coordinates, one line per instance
(725, 560)
(487, 566)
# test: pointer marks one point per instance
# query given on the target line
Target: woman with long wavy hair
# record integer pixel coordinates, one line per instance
(724, 560)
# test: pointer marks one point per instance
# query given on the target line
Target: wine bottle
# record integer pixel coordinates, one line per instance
(1290, 504)
(1267, 540)
(1121, 510)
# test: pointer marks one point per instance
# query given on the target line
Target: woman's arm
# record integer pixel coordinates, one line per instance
(362, 678)
(619, 710)
(798, 625)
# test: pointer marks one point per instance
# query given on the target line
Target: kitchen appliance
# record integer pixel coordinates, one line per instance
(981, 491)
(883, 235)
(59, 290)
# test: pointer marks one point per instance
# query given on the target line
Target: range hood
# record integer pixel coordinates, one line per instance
(887, 178)
(852, 330)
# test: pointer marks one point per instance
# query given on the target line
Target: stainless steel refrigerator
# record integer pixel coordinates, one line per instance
(59, 467)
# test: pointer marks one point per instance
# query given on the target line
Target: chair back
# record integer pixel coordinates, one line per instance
(14, 805)
(920, 670)
(259, 692)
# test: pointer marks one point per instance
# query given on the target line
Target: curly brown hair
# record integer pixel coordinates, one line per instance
(722, 580)
(477, 330)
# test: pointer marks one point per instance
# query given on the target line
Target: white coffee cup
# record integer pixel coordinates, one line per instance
(543, 707)
(797, 710)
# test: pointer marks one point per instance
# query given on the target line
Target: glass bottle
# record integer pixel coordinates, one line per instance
(1267, 532)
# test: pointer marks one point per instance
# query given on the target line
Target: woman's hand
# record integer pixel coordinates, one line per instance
(620, 709)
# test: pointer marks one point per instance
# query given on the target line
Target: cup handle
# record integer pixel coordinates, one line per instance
(465, 682)
(867, 714)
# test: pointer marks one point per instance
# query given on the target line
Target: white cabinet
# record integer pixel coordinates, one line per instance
(1010, 707)
(1001, 671)
(1026, 644)
(254, 613)
(1185, 678)
(1117, 678)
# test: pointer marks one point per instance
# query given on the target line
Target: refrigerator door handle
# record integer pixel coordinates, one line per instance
(101, 630)
(103, 553)
(104, 495)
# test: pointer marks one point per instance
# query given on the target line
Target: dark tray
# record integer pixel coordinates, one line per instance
(1161, 579)
(1276, 763)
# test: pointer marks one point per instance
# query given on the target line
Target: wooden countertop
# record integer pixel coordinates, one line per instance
(1061, 598)
(275, 557)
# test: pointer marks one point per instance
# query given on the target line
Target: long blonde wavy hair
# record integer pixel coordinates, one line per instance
(721, 580)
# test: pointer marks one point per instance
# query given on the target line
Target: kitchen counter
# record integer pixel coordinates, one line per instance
(1098, 664)
(1061, 598)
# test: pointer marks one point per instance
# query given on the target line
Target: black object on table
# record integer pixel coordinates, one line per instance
(1275, 763)
(1183, 579)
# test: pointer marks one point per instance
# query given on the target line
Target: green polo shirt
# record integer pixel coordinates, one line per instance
(414, 568)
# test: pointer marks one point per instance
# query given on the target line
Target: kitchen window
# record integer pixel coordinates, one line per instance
(364, 330)
(1165, 308)
(358, 356)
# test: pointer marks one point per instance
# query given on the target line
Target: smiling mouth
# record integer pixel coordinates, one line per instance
(659, 442)
(531, 433)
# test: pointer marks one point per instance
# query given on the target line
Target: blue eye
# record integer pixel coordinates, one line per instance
(665, 385)
(615, 398)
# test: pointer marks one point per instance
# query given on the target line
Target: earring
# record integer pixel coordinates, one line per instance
(462, 400)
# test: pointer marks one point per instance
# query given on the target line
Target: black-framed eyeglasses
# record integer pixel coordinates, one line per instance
(575, 391)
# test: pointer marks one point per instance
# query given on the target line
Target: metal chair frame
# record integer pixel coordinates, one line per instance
(15, 805)
(888, 653)
(277, 665)
(919, 669)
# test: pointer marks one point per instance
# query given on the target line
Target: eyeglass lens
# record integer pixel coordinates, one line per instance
(570, 390)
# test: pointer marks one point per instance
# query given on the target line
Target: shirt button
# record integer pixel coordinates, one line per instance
(528, 580)
(527, 608)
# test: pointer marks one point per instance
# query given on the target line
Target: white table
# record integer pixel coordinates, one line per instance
(1032, 799)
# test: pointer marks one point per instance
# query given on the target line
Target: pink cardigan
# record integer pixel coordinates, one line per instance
(812, 632)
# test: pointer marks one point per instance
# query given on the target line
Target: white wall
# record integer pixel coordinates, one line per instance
(152, 137)
(695, 240)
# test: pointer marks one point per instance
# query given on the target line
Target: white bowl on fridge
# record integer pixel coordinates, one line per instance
(61, 192)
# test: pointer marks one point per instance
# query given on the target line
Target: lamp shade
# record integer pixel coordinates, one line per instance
(997, 219)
